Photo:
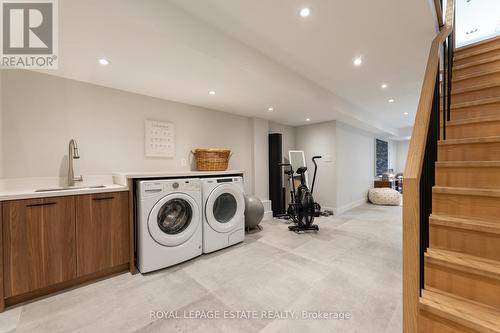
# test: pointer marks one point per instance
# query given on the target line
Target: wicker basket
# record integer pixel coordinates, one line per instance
(212, 159)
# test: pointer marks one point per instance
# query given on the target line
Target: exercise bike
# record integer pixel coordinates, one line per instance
(302, 208)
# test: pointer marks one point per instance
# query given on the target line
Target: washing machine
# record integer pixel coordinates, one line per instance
(223, 212)
(169, 222)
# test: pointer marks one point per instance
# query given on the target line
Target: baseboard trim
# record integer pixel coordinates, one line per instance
(268, 210)
(268, 215)
(345, 208)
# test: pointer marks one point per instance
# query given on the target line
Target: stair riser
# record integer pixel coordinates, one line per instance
(470, 152)
(429, 323)
(476, 111)
(495, 42)
(474, 81)
(474, 287)
(475, 95)
(481, 56)
(471, 177)
(466, 206)
(473, 130)
(486, 67)
(480, 244)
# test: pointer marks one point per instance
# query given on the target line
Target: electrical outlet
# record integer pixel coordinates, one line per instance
(183, 162)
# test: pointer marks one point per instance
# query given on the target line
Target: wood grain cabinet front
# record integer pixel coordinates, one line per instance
(102, 231)
(39, 245)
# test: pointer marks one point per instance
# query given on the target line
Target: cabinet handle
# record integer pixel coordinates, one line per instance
(41, 204)
(104, 198)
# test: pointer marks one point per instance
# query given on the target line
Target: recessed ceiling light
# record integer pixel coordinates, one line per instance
(405, 113)
(211, 92)
(305, 12)
(308, 119)
(391, 100)
(103, 61)
(383, 85)
(358, 61)
(270, 109)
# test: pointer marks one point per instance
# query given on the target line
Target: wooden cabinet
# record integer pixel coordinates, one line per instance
(54, 243)
(102, 231)
(39, 243)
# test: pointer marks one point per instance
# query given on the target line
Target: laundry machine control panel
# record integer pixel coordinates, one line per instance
(182, 185)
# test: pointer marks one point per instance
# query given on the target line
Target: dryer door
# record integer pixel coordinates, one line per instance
(225, 208)
(174, 219)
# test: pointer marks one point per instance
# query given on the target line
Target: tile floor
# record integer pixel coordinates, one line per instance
(351, 267)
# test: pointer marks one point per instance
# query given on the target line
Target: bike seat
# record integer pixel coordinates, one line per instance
(301, 170)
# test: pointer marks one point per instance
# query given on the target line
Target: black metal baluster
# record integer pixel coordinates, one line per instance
(427, 179)
(451, 47)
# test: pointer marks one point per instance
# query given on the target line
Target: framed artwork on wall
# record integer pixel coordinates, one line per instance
(381, 157)
(159, 139)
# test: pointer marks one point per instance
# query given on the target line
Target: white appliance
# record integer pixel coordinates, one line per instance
(223, 212)
(169, 223)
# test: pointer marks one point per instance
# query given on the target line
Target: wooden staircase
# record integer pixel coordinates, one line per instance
(462, 264)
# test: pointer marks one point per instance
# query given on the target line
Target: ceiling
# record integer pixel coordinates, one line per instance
(256, 54)
(477, 20)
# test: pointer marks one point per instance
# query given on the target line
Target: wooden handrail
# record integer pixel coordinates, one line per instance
(439, 12)
(412, 174)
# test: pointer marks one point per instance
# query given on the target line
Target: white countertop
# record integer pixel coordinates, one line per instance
(25, 188)
(122, 177)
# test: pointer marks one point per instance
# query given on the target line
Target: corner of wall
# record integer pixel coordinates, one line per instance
(260, 158)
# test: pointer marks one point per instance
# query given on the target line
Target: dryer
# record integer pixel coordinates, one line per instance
(223, 212)
(169, 222)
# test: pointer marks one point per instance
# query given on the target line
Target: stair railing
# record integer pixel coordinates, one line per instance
(419, 175)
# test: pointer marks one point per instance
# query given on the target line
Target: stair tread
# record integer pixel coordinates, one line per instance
(465, 223)
(464, 262)
(476, 63)
(466, 191)
(465, 54)
(466, 313)
(473, 120)
(470, 164)
(478, 102)
(476, 87)
(475, 74)
(461, 49)
(486, 139)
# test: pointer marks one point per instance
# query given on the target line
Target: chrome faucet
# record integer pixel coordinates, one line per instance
(73, 155)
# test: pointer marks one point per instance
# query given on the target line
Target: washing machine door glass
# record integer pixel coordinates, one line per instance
(225, 207)
(174, 219)
(175, 216)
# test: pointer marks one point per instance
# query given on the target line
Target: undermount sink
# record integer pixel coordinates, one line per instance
(68, 188)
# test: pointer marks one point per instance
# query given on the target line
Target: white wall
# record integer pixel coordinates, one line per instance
(355, 151)
(288, 137)
(1, 128)
(392, 147)
(347, 169)
(42, 113)
(319, 139)
(260, 157)
(402, 153)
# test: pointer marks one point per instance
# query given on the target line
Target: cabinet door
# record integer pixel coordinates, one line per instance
(102, 231)
(39, 243)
